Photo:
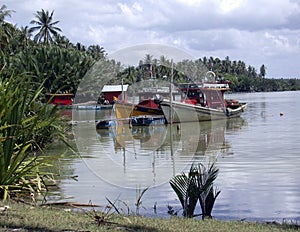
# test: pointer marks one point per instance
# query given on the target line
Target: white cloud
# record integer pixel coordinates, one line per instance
(278, 41)
(227, 6)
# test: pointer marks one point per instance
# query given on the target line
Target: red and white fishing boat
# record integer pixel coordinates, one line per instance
(203, 102)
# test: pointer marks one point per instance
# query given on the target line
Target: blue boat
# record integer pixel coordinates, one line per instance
(146, 120)
(105, 124)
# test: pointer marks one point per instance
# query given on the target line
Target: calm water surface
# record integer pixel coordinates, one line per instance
(258, 156)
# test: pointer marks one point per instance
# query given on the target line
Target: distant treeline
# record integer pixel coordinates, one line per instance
(247, 78)
(50, 58)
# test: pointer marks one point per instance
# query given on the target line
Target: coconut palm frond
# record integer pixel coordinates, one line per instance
(205, 180)
(206, 177)
(179, 184)
(185, 187)
(194, 186)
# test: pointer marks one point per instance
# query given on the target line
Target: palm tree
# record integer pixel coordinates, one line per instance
(4, 13)
(63, 41)
(96, 52)
(24, 36)
(80, 47)
(262, 72)
(6, 29)
(45, 26)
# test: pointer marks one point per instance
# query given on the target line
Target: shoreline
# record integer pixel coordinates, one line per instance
(24, 217)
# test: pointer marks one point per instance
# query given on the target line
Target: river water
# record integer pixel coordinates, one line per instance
(258, 156)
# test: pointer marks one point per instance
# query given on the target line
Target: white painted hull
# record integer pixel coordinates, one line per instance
(183, 112)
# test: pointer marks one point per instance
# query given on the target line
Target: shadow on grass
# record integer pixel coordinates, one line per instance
(11, 227)
(119, 227)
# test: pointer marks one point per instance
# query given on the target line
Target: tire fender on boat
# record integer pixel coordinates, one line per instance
(227, 112)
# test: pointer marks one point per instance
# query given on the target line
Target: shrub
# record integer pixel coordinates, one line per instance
(26, 126)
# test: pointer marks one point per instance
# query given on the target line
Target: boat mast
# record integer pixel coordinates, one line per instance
(122, 91)
(171, 94)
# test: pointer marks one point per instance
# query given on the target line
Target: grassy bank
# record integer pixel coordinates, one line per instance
(20, 217)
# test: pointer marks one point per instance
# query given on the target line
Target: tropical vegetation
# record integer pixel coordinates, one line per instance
(26, 127)
(45, 27)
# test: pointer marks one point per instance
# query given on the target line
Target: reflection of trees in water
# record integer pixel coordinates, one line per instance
(59, 170)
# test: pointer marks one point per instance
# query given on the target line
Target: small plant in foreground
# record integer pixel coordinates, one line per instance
(103, 217)
(194, 186)
(139, 195)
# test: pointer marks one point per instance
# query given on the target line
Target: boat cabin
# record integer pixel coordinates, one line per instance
(207, 95)
(63, 99)
(113, 92)
(156, 93)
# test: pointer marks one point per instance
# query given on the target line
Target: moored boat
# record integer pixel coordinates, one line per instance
(204, 102)
(125, 110)
(185, 112)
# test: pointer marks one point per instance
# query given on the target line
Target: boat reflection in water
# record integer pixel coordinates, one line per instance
(150, 155)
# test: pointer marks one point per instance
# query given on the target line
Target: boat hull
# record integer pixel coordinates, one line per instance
(183, 112)
(127, 110)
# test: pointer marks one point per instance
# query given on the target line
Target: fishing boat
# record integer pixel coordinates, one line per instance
(147, 105)
(203, 102)
(145, 113)
(125, 110)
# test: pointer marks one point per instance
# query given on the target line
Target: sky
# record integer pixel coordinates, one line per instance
(254, 31)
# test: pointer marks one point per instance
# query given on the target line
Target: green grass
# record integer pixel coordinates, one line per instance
(21, 217)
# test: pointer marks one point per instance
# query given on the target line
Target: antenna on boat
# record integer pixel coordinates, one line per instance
(171, 117)
(171, 94)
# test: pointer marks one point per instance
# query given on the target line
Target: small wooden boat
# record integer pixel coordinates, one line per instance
(125, 110)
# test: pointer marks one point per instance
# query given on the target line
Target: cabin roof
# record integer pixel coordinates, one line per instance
(60, 94)
(114, 88)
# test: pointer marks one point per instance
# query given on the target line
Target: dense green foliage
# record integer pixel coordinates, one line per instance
(26, 126)
(246, 79)
(242, 78)
(49, 58)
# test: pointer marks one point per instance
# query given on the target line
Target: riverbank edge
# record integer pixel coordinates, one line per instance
(23, 217)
